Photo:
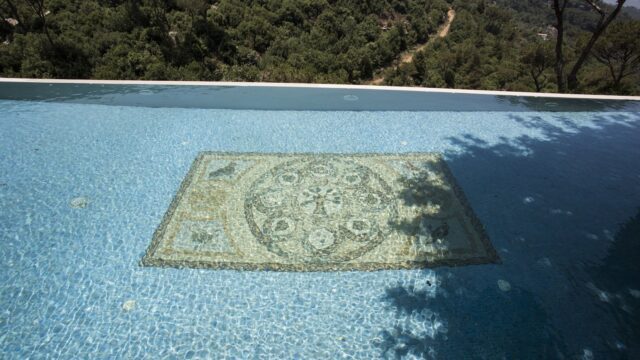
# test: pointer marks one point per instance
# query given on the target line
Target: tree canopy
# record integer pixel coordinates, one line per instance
(502, 44)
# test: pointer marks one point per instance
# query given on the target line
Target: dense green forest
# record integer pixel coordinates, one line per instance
(496, 45)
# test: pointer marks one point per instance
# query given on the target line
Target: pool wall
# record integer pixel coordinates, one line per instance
(280, 96)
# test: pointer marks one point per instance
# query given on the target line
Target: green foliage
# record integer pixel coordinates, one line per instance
(491, 44)
(619, 51)
(291, 40)
(477, 54)
(497, 46)
(537, 61)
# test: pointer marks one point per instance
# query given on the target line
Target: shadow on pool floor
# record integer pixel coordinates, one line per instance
(552, 208)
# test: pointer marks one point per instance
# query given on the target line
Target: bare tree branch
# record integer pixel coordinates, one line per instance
(595, 7)
(572, 79)
(39, 8)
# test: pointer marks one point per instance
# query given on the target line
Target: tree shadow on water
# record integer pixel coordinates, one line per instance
(549, 198)
(616, 281)
(484, 324)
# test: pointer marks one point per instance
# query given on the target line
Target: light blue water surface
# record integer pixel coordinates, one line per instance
(553, 189)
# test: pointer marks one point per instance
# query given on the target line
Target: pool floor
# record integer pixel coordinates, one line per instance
(83, 187)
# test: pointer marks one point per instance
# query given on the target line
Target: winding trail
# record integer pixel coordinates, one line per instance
(407, 56)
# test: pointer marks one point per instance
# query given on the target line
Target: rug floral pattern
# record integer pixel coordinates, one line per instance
(319, 212)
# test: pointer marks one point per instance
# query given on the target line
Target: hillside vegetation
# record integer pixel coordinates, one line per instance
(496, 45)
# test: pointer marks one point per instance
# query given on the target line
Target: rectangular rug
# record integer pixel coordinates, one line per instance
(319, 212)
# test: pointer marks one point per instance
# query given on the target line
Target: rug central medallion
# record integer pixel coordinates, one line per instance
(320, 209)
(313, 212)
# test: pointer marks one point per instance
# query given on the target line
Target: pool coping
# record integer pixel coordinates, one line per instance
(320, 86)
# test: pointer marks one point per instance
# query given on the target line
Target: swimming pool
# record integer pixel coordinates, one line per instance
(554, 181)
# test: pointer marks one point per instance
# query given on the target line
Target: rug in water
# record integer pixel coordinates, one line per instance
(319, 212)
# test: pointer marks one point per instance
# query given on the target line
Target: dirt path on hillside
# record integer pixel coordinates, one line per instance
(407, 56)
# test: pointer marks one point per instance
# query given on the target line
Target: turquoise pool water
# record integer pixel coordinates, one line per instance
(556, 184)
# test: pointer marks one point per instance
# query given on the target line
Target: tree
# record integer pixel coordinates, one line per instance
(420, 63)
(559, 7)
(193, 7)
(536, 60)
(603, 23)
(12, 10)
(314, 40)
(619, 50)
(39, 8)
